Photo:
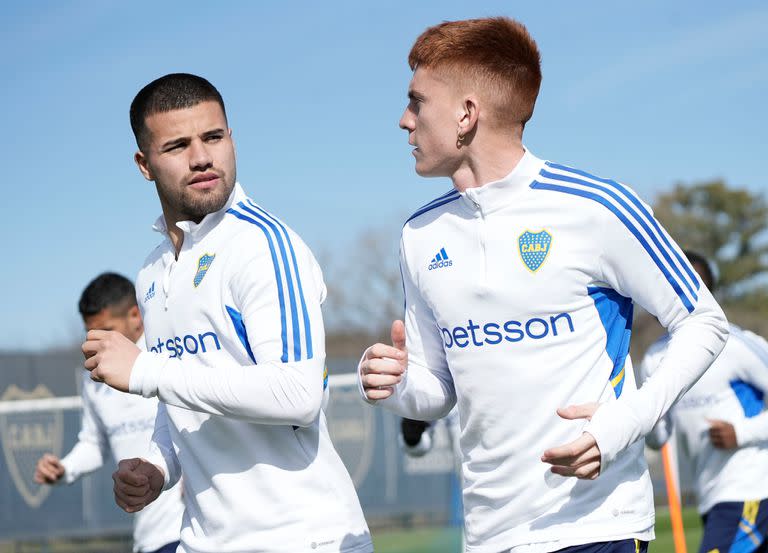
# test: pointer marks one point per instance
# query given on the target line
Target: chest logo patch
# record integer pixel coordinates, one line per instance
(534, 248)
(440, 260)
(203, 264)
(150, 293)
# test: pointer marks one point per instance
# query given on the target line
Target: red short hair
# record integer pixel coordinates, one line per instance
(497, 52)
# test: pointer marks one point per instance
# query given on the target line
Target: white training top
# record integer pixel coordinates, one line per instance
(733, 390)
(237, 356)
(123, 424)
(519, 301)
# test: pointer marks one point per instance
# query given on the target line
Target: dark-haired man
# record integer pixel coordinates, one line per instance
(231, 306)
(114, 421)
(519, 287)
(722, 429)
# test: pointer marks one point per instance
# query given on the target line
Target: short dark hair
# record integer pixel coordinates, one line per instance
(108, 290)
(168, 93)
(706, 266)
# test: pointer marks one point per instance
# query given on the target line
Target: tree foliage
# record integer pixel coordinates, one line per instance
(729, 225)
(365, 291)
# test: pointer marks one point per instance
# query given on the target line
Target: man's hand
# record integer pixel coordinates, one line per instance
(581, 457)
(137, 484)
(49, 469)
(722, 434)
(383, 366)
(110, 357)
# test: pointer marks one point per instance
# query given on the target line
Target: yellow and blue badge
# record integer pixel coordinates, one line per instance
(203, 264)
(534, 247)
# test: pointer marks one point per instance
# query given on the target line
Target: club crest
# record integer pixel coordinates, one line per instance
(25, 437)
(203, 264)
(534, 248)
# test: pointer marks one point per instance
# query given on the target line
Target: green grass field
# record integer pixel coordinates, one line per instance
(448, 540)
(418, 540)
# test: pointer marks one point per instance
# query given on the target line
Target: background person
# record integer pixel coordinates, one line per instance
(115, 422)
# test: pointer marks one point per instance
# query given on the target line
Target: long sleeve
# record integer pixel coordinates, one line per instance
(281, 328)
(662, 431)
(643, 263)
(426, 391)
(88, 453)
(161, 450)
(752, 430)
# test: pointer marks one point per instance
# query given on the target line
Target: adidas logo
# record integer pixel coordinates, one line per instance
(150, 293)
(440, 260)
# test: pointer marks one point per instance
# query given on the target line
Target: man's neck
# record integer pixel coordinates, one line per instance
(175, 234)
(487, 164)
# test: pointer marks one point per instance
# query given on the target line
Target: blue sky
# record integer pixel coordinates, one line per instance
(651, 93)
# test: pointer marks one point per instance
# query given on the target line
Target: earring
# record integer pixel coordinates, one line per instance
(459, 140)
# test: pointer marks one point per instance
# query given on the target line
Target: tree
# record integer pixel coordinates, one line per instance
(728, 225)
(365, 291)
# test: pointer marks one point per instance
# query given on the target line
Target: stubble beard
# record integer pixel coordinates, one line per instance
(194, 205)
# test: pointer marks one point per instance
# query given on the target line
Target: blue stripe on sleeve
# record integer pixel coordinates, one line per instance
(448, 198)
(289, 280)
(278, 278)
(750, 398)
(242, 333)
(633, 198)
(451, 192)
(612, 194)
(599, 199)
(307, 326)
(615, 313)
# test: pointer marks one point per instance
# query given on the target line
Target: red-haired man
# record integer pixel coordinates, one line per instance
(519, 287)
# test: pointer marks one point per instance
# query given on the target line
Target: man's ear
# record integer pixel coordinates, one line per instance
(134, 318)
(141, 162)
(468, 115)
(134, 313)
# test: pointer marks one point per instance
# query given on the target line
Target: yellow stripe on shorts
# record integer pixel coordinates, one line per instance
(750, 511)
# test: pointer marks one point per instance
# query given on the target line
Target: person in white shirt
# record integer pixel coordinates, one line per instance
(722, 428)
(116, 422)
(231, 305)
(519, 287)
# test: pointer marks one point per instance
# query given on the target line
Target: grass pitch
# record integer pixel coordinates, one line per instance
(448, 540)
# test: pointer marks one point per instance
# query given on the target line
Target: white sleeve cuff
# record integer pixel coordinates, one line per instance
(69, 476)
(360, 379)
(753, 430)
(145, 374)
(608, 426)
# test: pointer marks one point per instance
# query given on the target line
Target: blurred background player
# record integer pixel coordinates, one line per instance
(417, 439)
(114, 421)
(523, 316)
(237, 350)
(722, 429)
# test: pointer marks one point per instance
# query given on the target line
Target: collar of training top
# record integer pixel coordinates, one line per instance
(197, 230)
(498, 194)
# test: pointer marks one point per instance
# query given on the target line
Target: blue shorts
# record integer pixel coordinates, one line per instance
(622, 546)
(167, 548)
(736, 527)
